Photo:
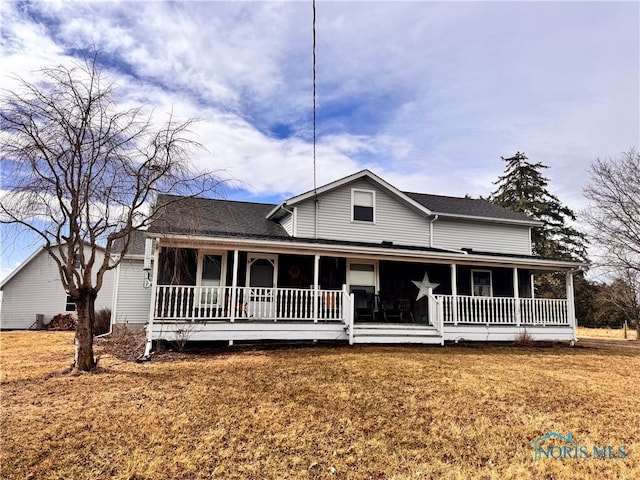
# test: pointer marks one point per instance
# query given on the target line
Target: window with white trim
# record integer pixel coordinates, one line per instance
(70, 305)
(211, 272)
(363, 205)
(481, 283)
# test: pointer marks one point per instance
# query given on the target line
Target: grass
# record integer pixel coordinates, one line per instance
(320, 412)
(606, 333)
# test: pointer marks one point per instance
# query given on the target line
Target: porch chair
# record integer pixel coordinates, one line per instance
(364, 314)
(364, 305)
(390, 312)
(404, 306)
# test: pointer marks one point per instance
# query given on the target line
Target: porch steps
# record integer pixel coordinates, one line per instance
(390, 333)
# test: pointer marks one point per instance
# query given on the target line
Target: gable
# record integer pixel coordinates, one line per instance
(442, 205)
(394, 220)
(35, 288)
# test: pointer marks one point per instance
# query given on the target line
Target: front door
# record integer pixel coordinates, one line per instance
(363, 283)
(261, 281)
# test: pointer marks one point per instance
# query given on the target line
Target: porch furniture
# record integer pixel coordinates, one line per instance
(389, 310)
(406, 313)
(364, 314)
(364, 302)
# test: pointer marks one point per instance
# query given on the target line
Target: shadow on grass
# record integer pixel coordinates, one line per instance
(168, 352)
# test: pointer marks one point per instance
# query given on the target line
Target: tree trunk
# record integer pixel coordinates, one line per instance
(85, 307)
(625, 329)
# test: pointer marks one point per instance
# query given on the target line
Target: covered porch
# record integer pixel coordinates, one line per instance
(206, 292)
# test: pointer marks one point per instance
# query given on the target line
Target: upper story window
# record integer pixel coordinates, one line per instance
(363, 205)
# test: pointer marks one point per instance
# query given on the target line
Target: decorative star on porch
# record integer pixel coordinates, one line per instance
(424, 286)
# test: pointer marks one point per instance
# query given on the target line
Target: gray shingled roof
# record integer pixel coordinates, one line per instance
(207, 216)
(136, 244)
(465, 206)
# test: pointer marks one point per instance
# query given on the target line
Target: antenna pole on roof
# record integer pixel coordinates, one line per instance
(315, 186)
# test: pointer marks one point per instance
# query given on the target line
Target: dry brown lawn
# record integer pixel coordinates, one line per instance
(606, 333)
(343, 412)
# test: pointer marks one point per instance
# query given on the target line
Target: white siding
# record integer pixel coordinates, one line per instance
(133, 300)
(36, 289)
(287, 224)
(105, 295)
(481, 236)
(394, 221)
(305, 219)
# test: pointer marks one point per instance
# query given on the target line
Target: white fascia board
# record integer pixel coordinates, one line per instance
(399, 194)
(275, 209)
(353, 251)
(20, 267)
(31, 257)
(356, 176)
(326, 188)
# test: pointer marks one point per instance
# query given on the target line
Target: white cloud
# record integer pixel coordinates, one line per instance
(428, 95)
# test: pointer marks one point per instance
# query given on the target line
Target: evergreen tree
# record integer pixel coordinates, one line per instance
(524, 189)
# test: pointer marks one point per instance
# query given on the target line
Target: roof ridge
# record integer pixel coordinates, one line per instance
(226, 200)
(443, 196)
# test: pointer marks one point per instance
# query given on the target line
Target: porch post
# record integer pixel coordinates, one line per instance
(152, 305)
(234, 286)
(533, 287)
(516, 296)
(316, 274)
(454, 293)
(571, 308)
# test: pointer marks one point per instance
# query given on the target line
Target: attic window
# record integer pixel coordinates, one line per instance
(363, 203)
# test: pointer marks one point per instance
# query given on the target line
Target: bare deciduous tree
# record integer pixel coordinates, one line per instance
(81, 172)
(614, 215)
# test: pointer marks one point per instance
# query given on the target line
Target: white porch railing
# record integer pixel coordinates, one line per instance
(544, 311)
(503, 310)
(436, 312)
(190, 303)
(348, 303)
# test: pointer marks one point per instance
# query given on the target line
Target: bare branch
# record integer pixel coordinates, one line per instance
(82, 173)
(614, 216)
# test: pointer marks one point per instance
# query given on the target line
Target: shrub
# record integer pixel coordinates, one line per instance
(123, 343)
(102, 321)
(523, 339)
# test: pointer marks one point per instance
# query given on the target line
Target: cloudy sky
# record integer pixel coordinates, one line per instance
(427, 95)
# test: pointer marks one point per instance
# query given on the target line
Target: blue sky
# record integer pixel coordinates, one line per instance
(427, 95)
